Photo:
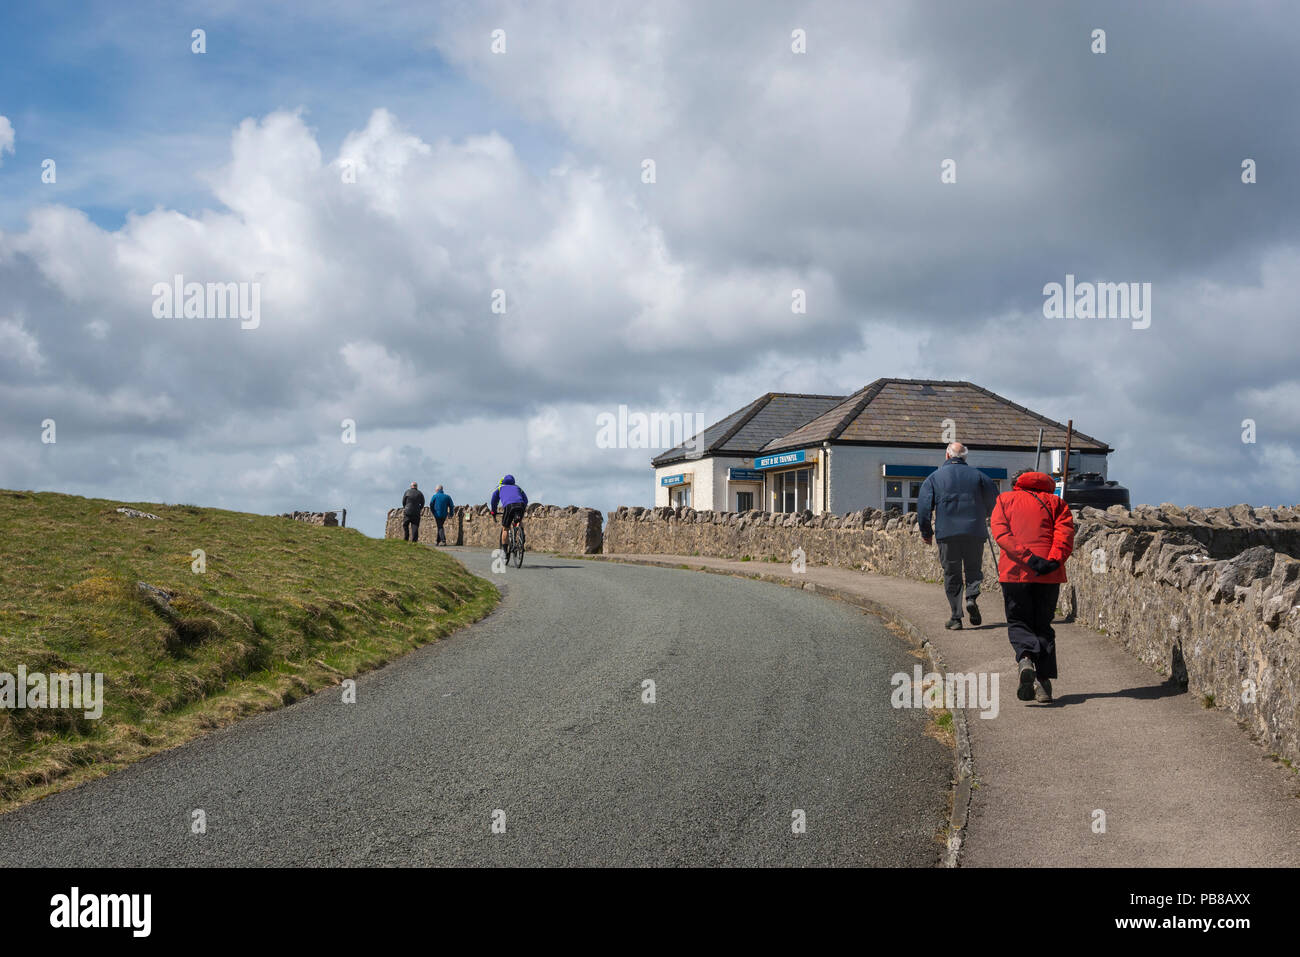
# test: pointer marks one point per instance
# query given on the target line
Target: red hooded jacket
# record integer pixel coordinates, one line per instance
(1032, 520)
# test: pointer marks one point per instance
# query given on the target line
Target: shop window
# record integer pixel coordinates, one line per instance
(679, 496)
(744, 501)
(790, 490)
(902, 493)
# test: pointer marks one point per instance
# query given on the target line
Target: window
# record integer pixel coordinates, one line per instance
(900, 487)
(790, 490)
(679, 496)
(744, 501)
(902, 493)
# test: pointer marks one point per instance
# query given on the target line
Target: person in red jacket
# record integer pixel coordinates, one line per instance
(1035, 532)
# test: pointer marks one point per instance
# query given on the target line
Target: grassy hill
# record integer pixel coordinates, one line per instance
(282, 609)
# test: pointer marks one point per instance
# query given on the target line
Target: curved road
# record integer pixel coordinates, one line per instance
(768, 700)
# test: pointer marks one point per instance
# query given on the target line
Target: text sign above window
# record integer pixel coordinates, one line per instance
(775, 461)
(673, 480)
(745, 475)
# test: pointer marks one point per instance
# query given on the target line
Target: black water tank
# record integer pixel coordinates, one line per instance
(1089, 488)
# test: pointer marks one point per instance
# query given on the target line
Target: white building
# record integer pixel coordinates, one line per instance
(874, 448)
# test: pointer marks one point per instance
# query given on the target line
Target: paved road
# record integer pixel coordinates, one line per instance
(1180, 784)
(767, 700)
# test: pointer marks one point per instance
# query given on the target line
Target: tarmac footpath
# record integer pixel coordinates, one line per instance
(1121, 770)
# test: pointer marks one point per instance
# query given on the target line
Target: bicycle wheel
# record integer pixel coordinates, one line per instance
(518, 535)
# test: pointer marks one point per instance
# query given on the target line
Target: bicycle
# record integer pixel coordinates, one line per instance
(515, 544)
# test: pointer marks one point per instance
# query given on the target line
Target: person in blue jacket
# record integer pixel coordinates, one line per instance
(441, 505)
(961, 499)
(512, 500)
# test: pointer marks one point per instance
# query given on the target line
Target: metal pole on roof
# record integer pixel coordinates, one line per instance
(1038, 453)
(1065, 468)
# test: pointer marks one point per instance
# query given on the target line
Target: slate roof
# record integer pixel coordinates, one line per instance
(746, 431)
(887, 412)
(912, 412)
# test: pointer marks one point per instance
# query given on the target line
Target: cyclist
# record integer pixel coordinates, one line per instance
(513, 501)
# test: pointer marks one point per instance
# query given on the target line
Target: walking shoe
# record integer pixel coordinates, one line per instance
(953, 624)
(1027, 678)
(973, 610)
(1043, 690)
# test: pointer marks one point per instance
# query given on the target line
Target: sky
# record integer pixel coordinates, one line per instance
(441, 213)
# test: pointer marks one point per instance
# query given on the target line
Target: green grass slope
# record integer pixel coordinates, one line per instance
(283, 609)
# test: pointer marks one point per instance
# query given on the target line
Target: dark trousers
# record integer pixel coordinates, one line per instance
(411, 529)
(442, 537)
(961, 555)
(1030, 609)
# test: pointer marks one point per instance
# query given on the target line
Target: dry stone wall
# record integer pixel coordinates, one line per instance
(314, 518)
(1227, 629)
(550, 528)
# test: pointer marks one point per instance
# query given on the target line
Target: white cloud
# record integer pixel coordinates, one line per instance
(775, 172)
(282, 470)
(1275, 408)
(6, 137)
(19, 346)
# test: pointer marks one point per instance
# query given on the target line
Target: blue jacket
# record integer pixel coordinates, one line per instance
(507, 493)
(961, 498)
(441, 504)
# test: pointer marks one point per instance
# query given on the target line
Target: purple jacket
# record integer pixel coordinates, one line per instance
(508, 493)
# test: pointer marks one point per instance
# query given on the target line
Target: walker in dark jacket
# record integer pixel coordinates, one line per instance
(961, 499)
(412, 503)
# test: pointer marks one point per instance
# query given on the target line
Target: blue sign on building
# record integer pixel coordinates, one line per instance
(673, 480)
(784, 458)
(921, 471)
(744, 475)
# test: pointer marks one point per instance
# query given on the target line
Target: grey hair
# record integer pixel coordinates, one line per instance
(956, 450)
